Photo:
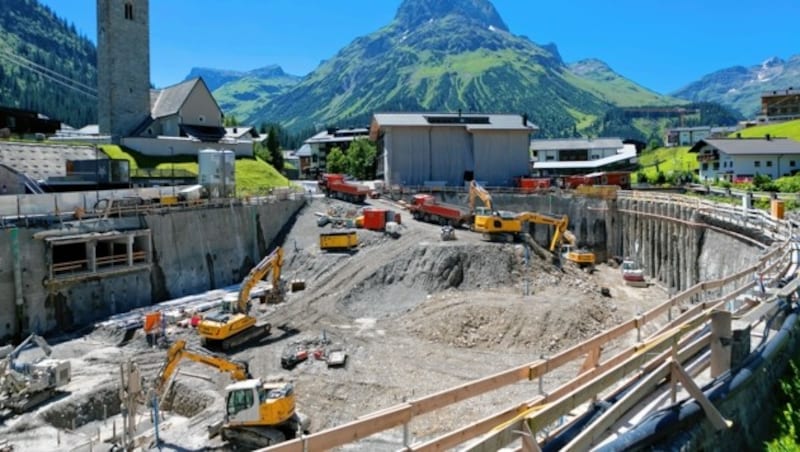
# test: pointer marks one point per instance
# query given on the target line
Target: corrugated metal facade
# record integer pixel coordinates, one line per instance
(414, 155)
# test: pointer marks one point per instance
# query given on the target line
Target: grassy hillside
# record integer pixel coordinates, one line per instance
(789, 129)
(668, 161)
(618, 90)
(253, 175)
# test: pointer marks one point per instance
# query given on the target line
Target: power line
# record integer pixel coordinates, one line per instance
(23, 60)
(49, 74)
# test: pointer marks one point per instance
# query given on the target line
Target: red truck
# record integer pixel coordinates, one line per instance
(426, 208)
(335, 186)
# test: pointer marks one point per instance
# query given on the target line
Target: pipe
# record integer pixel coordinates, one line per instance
(667, 422)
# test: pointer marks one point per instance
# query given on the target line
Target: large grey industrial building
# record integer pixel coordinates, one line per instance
(450, 149)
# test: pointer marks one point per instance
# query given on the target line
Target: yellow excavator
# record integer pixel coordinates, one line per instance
(508, 226)
(493, 225)
(257, 414)
(233, 325)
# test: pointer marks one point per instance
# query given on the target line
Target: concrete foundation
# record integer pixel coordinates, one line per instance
(192, 251)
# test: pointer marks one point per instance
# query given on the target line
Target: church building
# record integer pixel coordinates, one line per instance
(180, 119)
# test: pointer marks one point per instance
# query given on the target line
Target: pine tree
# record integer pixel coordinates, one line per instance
(274, 147)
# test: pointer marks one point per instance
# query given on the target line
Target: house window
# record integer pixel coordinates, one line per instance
(550, 157)
(757, 163)
(716, 166)
(791, 163)
(704, 167)
(129, 11)
(769, 163)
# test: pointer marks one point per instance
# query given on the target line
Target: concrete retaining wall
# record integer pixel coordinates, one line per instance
(193, 251)
(664, 238)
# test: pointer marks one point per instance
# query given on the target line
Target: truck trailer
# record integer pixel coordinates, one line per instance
(334, 186)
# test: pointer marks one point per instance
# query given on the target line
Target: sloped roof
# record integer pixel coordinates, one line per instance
(304, 151)
(750, 146)
(586, 164)
(470, 121)
(41, 161)
(240, 131)
(569, 144)
(168, 101)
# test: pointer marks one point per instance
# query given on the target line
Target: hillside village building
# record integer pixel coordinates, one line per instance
(580, 156)
(734, 158)
(451, 149)
(180, 119)
(323, 142)
(780, 105)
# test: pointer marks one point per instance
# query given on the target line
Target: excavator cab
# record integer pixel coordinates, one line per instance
(259, 414)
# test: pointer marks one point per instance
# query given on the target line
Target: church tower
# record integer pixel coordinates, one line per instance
(123, 66)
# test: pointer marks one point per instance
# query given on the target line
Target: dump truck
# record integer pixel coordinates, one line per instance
(425, 207)
(338, 240)
(335, 186)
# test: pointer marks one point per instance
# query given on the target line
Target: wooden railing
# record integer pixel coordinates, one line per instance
(595, 375)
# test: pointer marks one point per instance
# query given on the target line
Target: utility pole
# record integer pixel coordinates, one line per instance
(172, 158)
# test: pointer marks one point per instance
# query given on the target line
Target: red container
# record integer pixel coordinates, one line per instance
(374, 219)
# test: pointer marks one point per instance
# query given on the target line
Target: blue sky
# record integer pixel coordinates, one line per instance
(661, 45)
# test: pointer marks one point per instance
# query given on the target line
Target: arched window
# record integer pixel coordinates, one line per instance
(129, 11)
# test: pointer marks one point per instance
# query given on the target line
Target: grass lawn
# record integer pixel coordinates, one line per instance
(788, 129)
(666, 160)
(253, 176)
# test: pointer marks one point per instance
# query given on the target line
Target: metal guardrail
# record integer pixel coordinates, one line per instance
(54, 207)
(778, 229)
(735, 192)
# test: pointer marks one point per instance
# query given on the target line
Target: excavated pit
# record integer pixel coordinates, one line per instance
(186, 400)
(81, 410)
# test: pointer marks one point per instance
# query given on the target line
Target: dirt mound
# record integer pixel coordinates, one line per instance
(489, 320)
(429, 268)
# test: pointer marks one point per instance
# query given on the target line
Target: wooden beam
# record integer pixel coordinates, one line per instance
(719, 422)
(592, 358)
(529, 443)
(470, 431)
(594, 432)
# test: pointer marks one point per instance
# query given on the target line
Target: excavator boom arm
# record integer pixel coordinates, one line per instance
(475, 190)
(272, 263)
(560, 224)
(238, 370)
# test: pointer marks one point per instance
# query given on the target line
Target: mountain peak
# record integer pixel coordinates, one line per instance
(413, 13)
(272, 70)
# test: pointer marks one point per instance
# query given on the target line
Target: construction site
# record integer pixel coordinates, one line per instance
(382, 323)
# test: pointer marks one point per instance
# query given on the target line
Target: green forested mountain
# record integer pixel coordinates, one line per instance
(595, 76)
(741, 87)
(34, 41)
(242, 96)
(446, 56)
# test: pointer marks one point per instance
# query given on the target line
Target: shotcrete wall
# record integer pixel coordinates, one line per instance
(193, 251)
(667, 239)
